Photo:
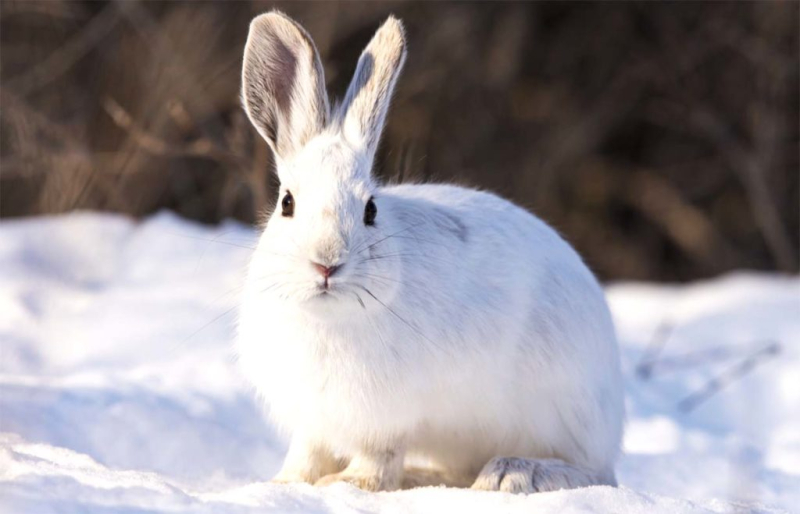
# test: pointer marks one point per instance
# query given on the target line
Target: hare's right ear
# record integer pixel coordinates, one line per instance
(370, 92)
(283, 85)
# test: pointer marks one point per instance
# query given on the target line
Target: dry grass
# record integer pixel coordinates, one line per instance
(661, 139)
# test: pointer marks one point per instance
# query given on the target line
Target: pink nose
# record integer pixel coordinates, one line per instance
(325, 271)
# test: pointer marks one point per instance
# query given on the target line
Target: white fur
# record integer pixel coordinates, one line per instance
(460, 328)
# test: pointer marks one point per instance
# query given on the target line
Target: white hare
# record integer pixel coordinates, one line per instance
(425, 324)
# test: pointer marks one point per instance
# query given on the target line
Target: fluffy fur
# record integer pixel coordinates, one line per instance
(460, 332)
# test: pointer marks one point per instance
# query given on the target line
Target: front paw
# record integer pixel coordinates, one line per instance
(365, 482)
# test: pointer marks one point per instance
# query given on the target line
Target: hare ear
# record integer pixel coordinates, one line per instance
(363, 111)
(283, 85)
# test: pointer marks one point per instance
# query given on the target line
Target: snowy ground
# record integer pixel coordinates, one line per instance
(118, 392)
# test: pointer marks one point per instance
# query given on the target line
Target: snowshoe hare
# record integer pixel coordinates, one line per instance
(426, 324)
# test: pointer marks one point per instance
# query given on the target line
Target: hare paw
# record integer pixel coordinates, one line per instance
(515, 475)
(364, 482)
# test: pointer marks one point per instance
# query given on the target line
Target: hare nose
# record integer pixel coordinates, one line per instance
(325, 271)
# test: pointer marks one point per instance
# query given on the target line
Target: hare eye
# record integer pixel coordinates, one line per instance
(287, 205)
(370, 211)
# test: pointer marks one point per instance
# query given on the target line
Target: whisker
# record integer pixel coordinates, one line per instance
(409, 325)
(183, 341)
(375, 279)
(428, 241)
(236, 289)
(360, 301)
(271, 287)
(372, 275)
(214, 240)
(371, 245)
(270, 275)
(380, 335)
(398, 255)
(286, 255)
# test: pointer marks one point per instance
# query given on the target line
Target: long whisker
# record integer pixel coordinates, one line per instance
(360, 301)
(409, 325)
(379, 334)
(378, 280)
(383, 255)
(278, 254)
(372, 245)
(287, 280)
(214, 240)
(180, 343)
(372, 275)
(408, 254)
(428, 241)
(236, 289)
(272, 286)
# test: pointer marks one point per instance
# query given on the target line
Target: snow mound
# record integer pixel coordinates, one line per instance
(118, 391)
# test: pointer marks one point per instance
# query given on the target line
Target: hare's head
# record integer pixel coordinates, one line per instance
(320, 238)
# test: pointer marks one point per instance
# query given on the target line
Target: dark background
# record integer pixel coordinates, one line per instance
(661, 139)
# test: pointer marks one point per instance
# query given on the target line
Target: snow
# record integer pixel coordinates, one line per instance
(118, 391)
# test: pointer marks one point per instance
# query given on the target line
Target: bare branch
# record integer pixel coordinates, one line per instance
(60, 61)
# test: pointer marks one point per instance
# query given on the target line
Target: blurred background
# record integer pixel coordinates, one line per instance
(660, 139)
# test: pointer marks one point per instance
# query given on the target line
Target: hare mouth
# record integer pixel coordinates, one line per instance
(333, 293)
(329, 292)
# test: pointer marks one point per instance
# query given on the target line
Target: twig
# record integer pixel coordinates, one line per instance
(659, 340)
(726, 378)
(61, 60)
(12, 101)
(683, 361)
(751, 168)
(201, 147)
(687, 226)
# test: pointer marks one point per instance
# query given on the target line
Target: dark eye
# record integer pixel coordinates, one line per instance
(287, 205)
(370, 211)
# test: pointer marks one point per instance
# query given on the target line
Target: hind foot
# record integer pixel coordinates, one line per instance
(515, 475)
(375, 471)
(429, 477)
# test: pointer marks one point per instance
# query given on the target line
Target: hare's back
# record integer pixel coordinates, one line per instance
(474, 218)
(493, 239)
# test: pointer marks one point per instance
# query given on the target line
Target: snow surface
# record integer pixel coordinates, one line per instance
(118, 391)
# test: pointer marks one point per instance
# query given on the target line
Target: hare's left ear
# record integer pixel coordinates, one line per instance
(283, 86)
(363, 111)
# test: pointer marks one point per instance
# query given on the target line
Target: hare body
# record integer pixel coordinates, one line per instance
(451, 328)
